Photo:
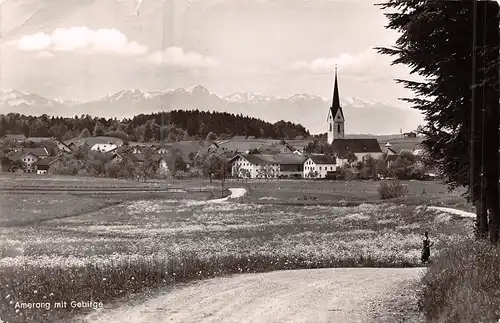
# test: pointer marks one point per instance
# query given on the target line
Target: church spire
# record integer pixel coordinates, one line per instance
(336, 118)
(336, 97)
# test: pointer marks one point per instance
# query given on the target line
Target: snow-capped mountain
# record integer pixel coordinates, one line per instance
(249, 98)
(304, 98)
(362, 116)
(27, 103)
(133, 95)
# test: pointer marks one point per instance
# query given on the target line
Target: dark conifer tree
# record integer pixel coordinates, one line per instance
(436, 42)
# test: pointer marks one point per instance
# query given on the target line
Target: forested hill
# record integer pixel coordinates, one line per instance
(173, 126)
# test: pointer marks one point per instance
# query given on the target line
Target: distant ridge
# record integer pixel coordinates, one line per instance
(362, 116)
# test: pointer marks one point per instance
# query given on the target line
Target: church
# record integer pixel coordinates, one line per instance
(336, 134)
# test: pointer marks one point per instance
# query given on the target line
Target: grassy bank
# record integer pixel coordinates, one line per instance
(462, 285)
(141, 245)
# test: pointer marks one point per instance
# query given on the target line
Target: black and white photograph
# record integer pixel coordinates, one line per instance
(249, 161)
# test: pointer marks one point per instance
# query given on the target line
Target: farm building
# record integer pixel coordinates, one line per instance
(19, 138)
(92, 141)
(164, 161)
(38, 139)
(27, 159)
(104, 148)
(254, 165)
(38, 152)
(268, 165)
(359, 147)
(318, 166)
(62, 146)
(47, 165)
(243, 146)
(336, 134)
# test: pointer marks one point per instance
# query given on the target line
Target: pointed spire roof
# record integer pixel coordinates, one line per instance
(336, 97)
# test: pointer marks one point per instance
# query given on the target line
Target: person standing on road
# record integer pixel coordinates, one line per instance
(426, 248)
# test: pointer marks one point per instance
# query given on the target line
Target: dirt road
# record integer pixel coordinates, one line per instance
(341, 295)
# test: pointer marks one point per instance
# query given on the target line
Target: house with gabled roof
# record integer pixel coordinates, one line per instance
(62, 147)
(253, 165)
(104, 148)
(19, 138)
(47, 165)
(336, 134)
(319, 166)
(28, 159)
(268, 165)
(92, 141)
(39, 152)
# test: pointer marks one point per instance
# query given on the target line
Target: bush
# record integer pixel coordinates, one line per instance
(463, 285)
(391, 190)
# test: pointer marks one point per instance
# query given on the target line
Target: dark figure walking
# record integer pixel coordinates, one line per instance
(426, 248)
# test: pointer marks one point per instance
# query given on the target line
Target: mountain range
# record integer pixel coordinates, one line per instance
(362, 116)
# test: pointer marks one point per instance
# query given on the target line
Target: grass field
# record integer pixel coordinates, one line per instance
(82, 248)
(34, 180)
(307, 192)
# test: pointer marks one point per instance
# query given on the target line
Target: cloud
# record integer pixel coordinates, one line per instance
(326, 65)
(82, 40)
(177, 57)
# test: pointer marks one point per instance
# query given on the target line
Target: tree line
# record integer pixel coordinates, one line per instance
(174, 125)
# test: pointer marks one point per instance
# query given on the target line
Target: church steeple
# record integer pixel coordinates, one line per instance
(335, 115)
(336, 97)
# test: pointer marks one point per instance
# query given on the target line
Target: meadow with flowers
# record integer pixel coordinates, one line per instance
(115, 250)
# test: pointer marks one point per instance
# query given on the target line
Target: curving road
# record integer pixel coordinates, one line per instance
(340, 295)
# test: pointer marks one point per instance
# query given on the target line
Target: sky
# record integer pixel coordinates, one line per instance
(84, 49)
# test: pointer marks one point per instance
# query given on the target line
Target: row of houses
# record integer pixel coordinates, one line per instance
(255, 158)
(282, 165)
(301, 165)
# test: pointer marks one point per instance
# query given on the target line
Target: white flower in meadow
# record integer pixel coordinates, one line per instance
(104, 279)
(34, 292)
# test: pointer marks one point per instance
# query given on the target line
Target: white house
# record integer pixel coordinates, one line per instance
(319, 166)
(27, 158)
(284, 165)
(255, 166)
(104, 148)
